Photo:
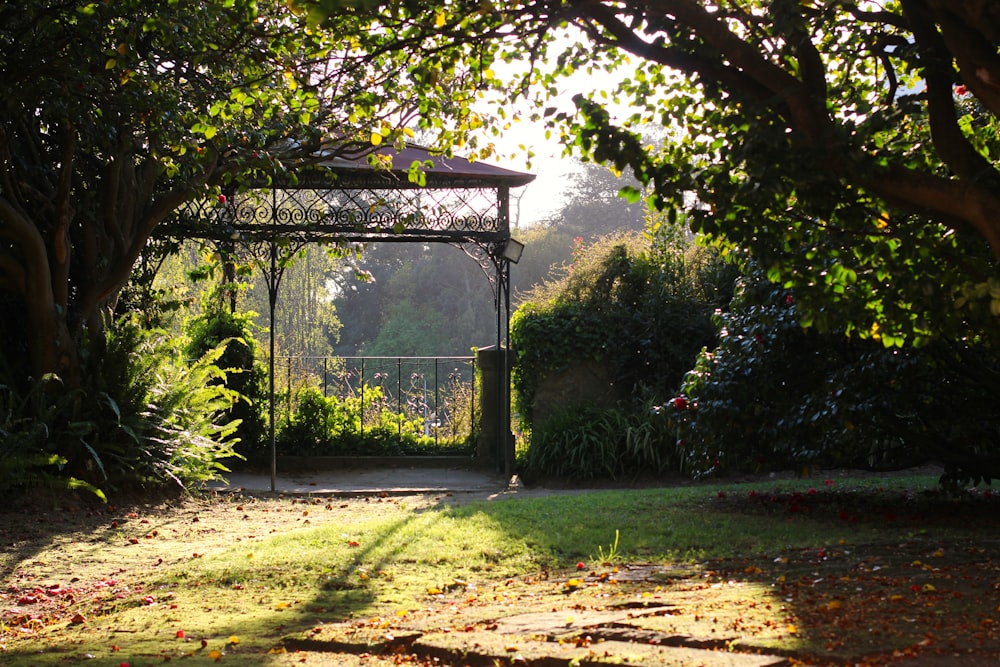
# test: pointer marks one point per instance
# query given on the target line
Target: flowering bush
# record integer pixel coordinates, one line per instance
(773, 395)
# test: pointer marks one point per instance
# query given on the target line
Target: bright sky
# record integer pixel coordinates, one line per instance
(543, 198)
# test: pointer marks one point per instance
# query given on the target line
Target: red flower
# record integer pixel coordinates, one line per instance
(788, 299)
(680, 403)
(581, 566)
(222, 199)
(961, 90)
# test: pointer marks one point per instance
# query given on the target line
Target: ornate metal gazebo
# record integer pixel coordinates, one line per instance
(420, 198)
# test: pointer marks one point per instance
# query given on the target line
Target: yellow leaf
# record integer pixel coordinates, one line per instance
(215, 654)
(376, 139)
(282, 605)
(833, 605)
(792, 629)
(233, 639)
(278, 650)
(408, 132)
(431, 590)
(110, 63)
(929, 588)
(440, 19)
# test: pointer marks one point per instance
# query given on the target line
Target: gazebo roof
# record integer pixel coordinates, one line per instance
(346, 198)
(439, 171)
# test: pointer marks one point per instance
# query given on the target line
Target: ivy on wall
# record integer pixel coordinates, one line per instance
(641, 304)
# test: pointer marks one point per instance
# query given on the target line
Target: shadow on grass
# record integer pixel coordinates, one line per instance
(853, 572)
(858, 571)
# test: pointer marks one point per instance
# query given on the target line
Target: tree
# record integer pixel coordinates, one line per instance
(113, 115)
(593, 207)
(851, 146)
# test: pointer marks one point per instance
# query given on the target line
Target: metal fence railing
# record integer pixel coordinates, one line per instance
(437, 392)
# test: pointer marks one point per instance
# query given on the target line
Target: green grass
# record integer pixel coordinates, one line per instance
(683, 524)
(364, 561)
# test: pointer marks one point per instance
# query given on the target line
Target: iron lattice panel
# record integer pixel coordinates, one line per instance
(337, 214)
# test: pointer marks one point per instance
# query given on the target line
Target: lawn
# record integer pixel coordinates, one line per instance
(837, 570)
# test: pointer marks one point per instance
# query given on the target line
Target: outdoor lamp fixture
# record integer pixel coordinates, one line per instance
(512, 250)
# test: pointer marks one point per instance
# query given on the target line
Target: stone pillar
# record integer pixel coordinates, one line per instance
(495, 446)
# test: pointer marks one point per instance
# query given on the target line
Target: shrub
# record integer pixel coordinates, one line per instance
(644, 307)
(641, 307)
(775, 395)
(244, 374)
(331, 426)
(588, 443)
(146, 415)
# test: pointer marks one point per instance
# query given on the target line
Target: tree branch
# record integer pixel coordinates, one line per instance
(968, 202)
(949, 141)
(976, 57)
